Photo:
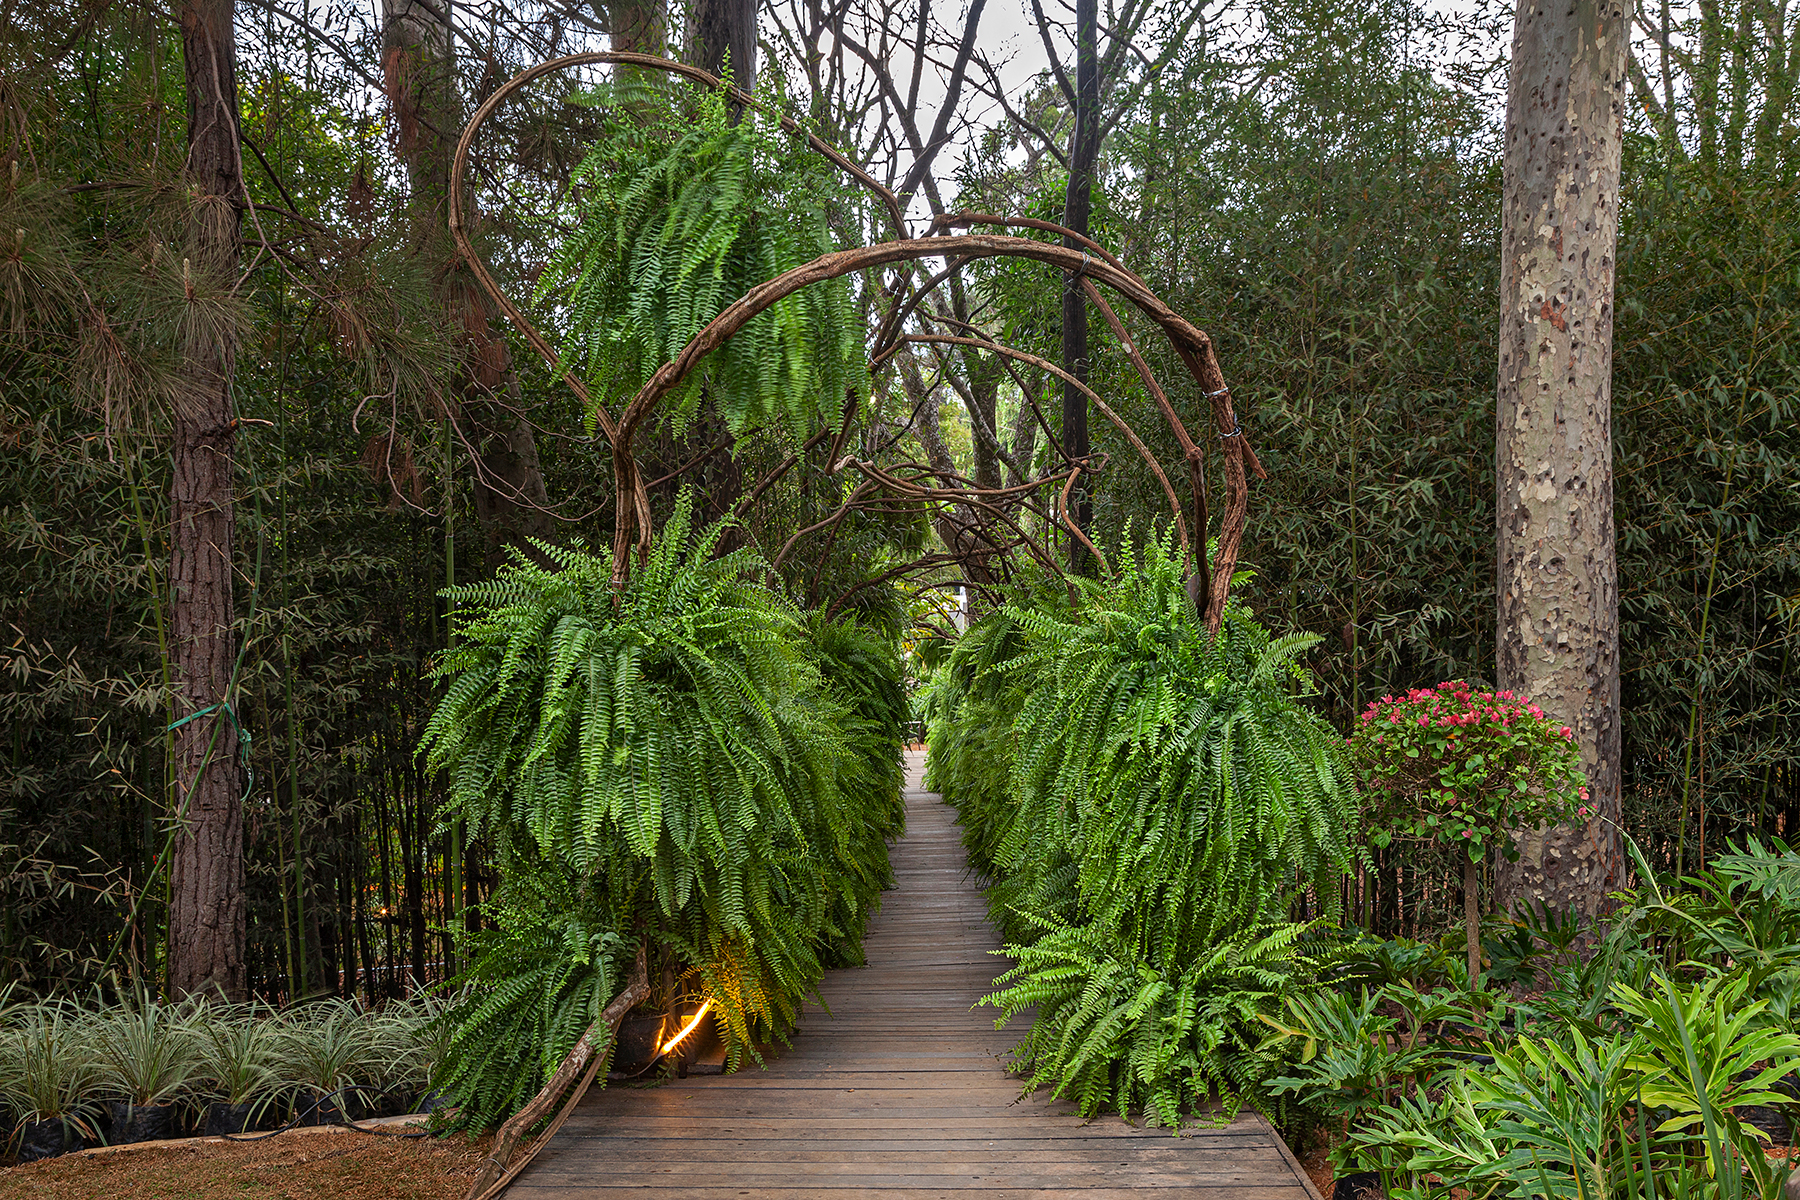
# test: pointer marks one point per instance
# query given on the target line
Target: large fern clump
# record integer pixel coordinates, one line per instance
(549, 960)
(1168, 797)
(970, 709)
(675, 757)
(683, 207)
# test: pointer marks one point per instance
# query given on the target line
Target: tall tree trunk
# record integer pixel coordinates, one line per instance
(640, 25)
(984, 415)
(1084, 149)
(419, 72)
(1557, 585)
(725, 28)
(1023, 447)
(206, 909)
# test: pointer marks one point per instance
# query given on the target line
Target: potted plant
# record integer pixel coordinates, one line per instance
(326, 1049)
(1464, 767)
(145, 1051)
(238, 1052)
(415, 1036)
(48, 1075)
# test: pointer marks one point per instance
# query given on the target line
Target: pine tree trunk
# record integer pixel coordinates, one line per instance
(1557, 573)
(725, 28)
(206, 901)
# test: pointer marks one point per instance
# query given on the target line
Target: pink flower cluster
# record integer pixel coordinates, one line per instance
(1453, 704)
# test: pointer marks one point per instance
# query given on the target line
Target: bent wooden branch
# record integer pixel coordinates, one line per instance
(589, 1052)
(1044, 364)
(1194, 347)
(1091, 264)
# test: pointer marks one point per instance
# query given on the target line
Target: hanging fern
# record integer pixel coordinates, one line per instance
(1113, 1031)
(1166, 797)
(677, 751)
(674, 215)
(538, 977)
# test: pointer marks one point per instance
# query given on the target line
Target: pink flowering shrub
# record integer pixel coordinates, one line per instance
(1465, 767)
(1460, 765)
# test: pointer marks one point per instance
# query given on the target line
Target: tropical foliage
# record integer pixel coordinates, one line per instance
(1168, 798)
(679, 762)
(1660, 1064)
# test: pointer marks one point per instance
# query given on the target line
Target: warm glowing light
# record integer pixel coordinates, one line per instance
(685, 1029)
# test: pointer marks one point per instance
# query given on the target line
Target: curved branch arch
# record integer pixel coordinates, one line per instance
(1192, 345)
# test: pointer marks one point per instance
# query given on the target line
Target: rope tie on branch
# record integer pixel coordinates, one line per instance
(1215, 395)
(1235, 433)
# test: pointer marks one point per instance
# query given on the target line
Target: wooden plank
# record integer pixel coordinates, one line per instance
(993, 1188)
(896, 1085)
(1043, 1151)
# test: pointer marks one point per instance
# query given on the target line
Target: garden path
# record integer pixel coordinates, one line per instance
(901, 1092)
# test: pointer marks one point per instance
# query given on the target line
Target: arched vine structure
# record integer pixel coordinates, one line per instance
(992, 522)
(994, 527)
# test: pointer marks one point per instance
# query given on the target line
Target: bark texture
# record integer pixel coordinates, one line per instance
(419, 72)
(724, 29)
(1556, 568)
(206, 899)
(1084, 149)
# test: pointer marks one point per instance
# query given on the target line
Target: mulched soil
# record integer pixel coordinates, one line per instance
(297, 1166)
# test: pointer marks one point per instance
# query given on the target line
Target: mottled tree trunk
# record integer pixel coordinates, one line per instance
(206, 901)
(419, 71)
(1557, 573)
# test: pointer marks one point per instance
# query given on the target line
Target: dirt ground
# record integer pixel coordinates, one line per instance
(298, 1166)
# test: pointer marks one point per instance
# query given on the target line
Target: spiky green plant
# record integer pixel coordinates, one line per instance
(237, 1052)
(49, 1070)
(325, 1047)
(146, 1049)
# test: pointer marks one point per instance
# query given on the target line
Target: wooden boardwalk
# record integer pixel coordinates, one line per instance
(901, 1092)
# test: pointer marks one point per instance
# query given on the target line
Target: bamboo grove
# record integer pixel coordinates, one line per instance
(400, 436)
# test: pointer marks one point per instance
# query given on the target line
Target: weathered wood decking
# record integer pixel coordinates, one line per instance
(900, 1092)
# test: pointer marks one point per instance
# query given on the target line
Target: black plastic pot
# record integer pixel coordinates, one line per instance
(140, 1122)
(222, 1119)
(319, 1109)
(46, 1139)
(1364, 1185)
(639, 1039)
(1770, 1120)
